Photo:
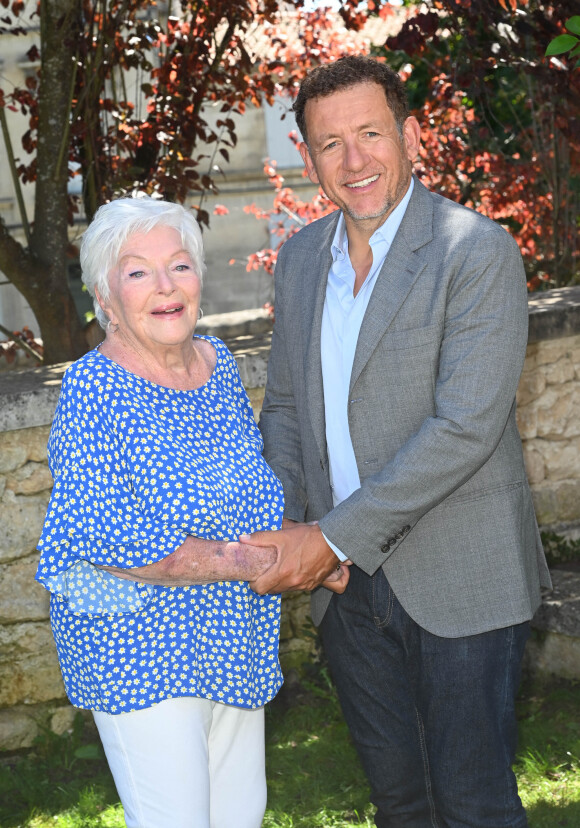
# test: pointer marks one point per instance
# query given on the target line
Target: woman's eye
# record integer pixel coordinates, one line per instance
(136, 274)
(182, 267)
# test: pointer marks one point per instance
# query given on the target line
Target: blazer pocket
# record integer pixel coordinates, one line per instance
(411, 337)
(478, 494)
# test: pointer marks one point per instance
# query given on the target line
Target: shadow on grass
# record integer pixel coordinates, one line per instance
(545, 815)
(314, 776)
(61, 774)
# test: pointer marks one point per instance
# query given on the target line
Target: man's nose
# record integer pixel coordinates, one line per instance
(355, 156)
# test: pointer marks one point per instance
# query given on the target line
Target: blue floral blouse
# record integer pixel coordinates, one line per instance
(137, 467)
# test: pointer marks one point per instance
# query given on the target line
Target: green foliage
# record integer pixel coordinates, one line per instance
(567, 42)
(63, 781)
(499, 120)
(560, 549)
(314, 777)
(548, 761)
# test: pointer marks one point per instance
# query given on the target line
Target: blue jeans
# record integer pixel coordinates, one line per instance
(432, 718)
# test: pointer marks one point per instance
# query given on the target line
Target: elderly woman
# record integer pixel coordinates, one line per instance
(158, 470)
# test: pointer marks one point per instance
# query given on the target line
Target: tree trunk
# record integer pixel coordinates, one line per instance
(47, 291)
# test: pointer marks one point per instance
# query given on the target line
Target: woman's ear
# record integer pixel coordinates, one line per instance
(105, 307)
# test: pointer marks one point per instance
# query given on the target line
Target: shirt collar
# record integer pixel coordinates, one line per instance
(387, 231)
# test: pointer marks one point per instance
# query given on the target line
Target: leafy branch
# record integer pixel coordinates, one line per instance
(567, 42)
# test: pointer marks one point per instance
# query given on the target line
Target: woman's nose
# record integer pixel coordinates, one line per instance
(164, 281)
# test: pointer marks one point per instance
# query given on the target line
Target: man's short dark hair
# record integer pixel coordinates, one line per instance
(345, 72)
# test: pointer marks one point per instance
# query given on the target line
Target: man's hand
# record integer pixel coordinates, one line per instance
(304, 560)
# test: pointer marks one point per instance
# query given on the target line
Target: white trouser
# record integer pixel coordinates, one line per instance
(187, 763)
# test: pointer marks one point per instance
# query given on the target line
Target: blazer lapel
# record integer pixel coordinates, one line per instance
(400, 269)
(312, 307)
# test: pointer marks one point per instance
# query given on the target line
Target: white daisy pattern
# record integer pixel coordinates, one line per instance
(137, 467)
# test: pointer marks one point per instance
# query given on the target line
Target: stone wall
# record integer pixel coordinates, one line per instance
(549, 410)
(31, 690)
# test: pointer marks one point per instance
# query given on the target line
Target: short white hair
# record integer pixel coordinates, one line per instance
(115, 222)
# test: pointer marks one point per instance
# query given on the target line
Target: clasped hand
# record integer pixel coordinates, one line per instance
(304, 560)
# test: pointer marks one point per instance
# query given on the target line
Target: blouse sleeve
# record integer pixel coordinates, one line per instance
(94, 517)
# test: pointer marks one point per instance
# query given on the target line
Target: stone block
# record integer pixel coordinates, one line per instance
(12, 455)
(534, 462)
(545, 504)
(21, 519)
(29, 671)
(296, 607)
(573, 426)
(557, 502)
(553, 654)
(561, 459)
(527, 420)
(560, 608)
(531, 361)
(555, 413)
(21, 597)
(21, 725)
(555, 646)
(31, 680)
(31, 478)
(531, 386)
(567, 496)
(62, 719)
(18, 729)
(550, 351)
(560, 372)
(576, 361)
(36, 440)
(256, 396)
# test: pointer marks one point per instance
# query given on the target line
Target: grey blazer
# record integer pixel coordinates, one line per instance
(444, 505)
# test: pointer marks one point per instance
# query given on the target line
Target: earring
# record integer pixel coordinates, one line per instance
(200, 313)
(112, 327)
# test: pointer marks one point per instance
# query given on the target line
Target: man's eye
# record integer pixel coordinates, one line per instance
(331, 145)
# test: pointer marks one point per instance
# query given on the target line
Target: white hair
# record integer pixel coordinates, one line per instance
(115, 222)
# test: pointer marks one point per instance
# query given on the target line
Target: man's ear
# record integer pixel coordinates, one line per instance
(412, 137)
(310, 169)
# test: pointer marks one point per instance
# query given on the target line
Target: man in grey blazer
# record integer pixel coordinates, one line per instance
(389, 416)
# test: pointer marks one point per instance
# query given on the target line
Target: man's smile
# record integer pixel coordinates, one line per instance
(364, 183)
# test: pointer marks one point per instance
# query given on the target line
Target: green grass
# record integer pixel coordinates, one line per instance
(314, 776)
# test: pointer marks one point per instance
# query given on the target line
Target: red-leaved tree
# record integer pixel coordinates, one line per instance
(500, 125)
(120, 100)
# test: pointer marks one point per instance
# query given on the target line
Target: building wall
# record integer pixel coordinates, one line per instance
(31, 690)
(14, 68)
(262, 134)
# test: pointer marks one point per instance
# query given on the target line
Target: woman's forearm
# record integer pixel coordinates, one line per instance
(200, 561)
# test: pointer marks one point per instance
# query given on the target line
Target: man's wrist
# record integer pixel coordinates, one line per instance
(339, 554)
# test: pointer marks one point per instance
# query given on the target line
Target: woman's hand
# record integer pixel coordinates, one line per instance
(199, 561)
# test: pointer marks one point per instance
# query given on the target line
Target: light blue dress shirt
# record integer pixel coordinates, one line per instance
(342, 317)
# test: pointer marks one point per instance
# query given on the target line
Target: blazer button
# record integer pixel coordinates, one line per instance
(385, 548)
